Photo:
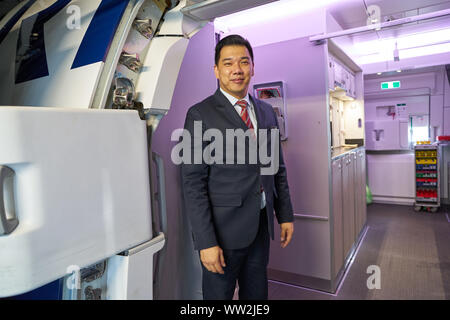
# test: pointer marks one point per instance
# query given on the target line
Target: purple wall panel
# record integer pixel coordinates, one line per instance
(302, 66)
(181, 274)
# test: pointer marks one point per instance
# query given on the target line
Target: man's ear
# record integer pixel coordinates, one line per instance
(216, 71)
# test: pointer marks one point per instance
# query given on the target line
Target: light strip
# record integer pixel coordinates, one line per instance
(210, 9)
(405, 54)
(269, 12)
(383, 25)
(410, 46)
(405, 42)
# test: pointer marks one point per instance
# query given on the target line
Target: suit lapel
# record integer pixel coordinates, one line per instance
(260, 117)
(229, 111)
(232, 115)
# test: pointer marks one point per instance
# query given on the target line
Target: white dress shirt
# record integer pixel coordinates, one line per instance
(252, 115)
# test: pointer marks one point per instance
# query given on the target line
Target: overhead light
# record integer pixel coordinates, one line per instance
(270, 12)
(210, 9)
(379, 49)
(406, 54)
(426, 50)
(379, 73)
(399, 70)
(387, 24)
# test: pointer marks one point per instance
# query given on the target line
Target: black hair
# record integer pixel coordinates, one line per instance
(232, 40)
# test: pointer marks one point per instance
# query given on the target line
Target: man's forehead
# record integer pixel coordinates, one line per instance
(234, 52)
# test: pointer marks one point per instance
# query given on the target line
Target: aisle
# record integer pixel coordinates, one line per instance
(412, 251)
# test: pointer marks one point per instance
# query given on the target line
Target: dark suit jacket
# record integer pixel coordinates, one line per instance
(223, 201)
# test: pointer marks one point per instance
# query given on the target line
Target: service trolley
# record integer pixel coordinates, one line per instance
(427, 177)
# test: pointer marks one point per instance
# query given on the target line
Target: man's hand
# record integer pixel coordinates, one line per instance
(213, 260)
(287, 229)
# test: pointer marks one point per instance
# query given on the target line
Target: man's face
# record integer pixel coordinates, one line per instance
(234, 70)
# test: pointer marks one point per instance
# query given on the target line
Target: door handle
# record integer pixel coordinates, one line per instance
(161, 191)
(8, 218)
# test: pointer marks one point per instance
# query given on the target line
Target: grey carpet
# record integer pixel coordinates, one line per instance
(411, 249)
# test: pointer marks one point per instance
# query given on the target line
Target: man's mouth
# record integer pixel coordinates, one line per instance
(237, 80)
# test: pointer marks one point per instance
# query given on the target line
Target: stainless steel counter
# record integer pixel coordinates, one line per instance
(339, 151)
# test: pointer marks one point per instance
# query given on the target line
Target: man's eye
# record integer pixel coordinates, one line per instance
(244, 62)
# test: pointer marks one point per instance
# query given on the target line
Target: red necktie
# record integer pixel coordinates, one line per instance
(244, 113)
(246, 118)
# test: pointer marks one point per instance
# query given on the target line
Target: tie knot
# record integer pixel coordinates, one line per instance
(242, 103)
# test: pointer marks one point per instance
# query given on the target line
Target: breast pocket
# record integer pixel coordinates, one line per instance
(226, 199)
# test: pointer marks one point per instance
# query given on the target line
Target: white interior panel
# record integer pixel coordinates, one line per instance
(82, 190)
(391, 177)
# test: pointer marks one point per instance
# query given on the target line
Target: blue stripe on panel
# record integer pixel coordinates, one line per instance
(11, 23)
(50, 291)
(31, 60)
(100, 33)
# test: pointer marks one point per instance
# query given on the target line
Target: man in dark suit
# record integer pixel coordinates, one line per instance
(230, 204)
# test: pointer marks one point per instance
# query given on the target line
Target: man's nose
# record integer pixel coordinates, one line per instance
(237, 69)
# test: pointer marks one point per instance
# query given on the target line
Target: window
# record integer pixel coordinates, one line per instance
(418, 128)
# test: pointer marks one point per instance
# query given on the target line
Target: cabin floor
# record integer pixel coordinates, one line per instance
(411, 250)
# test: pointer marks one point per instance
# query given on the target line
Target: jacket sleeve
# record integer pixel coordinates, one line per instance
(195, 187)
(282, 200)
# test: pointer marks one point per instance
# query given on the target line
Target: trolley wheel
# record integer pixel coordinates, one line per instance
(417, 208)
(434, 209)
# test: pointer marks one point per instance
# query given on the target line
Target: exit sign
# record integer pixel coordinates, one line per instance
(390, 85)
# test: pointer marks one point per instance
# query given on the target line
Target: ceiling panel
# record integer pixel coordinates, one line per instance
(352, 13)
(210, 9)
(418, 42)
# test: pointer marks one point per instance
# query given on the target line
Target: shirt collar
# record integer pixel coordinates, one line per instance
(233, 100)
